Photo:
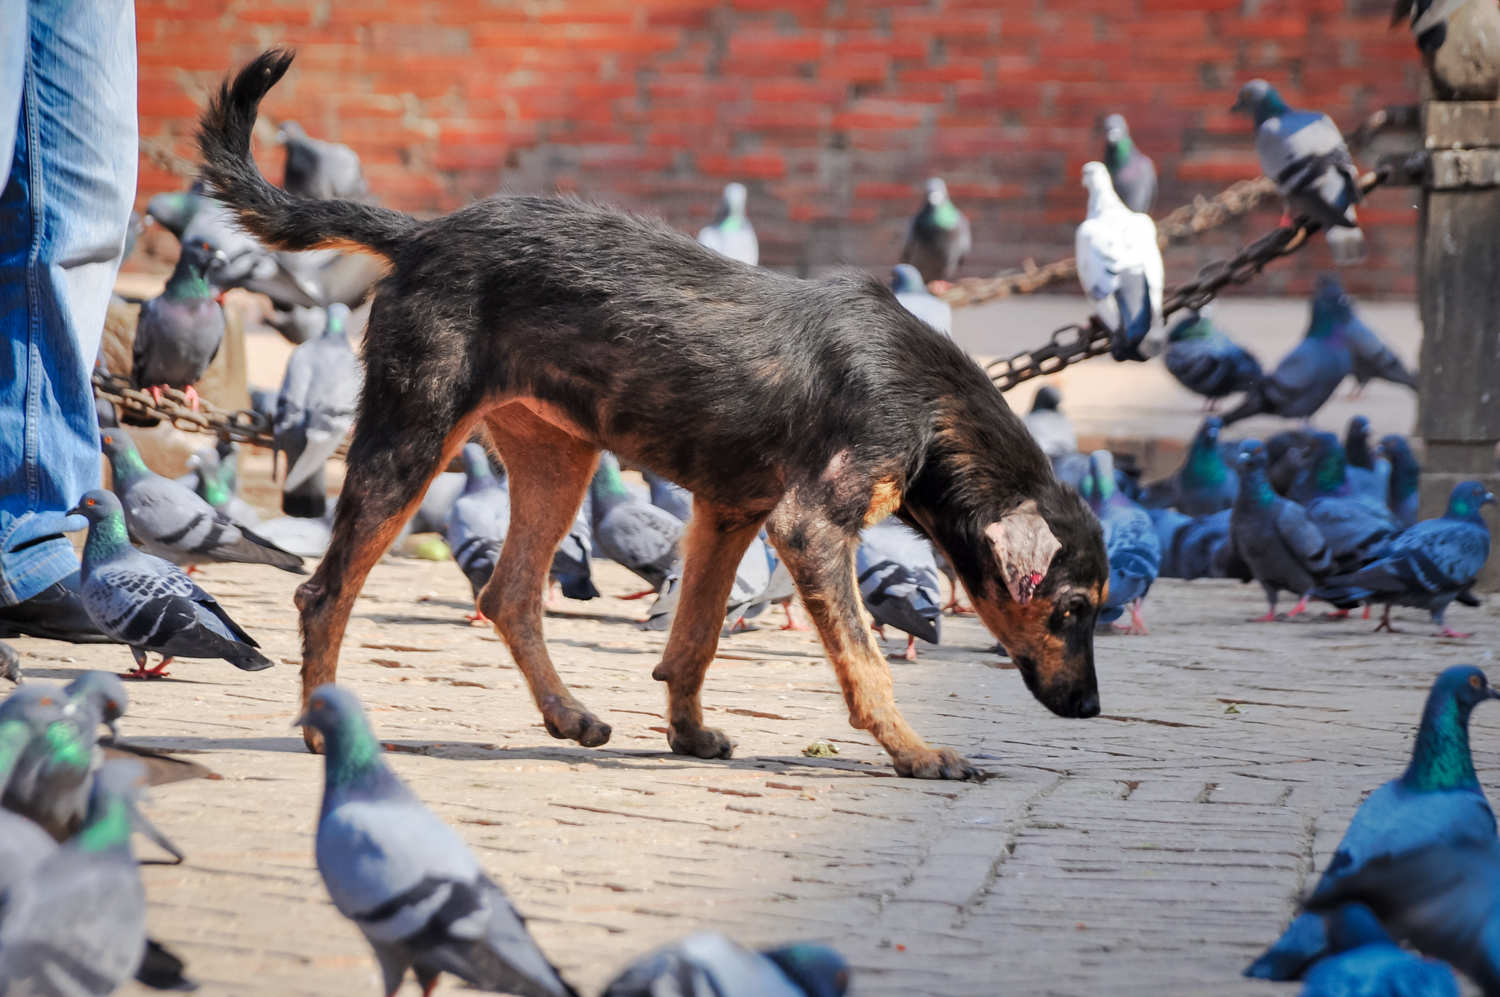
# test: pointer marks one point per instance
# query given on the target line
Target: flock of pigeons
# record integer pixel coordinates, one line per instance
(73, 919)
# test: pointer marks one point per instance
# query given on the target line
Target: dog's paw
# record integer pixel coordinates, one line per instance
(933, 763)
(313, 740)
(578, 725)
(704, 742)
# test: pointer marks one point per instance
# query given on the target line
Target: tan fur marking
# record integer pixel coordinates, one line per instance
(885, 498)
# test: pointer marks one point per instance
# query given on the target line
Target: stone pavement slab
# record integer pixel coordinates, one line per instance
(1153, 850)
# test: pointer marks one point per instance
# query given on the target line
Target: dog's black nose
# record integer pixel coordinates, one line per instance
(1087, 707)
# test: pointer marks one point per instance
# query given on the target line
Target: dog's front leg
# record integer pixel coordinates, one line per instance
(716, 540)
(549, 471)
(820, 557)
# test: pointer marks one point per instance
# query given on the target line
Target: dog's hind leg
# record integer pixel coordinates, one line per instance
(716, 540)
(820, 556)
(549, 471)
(387, 477)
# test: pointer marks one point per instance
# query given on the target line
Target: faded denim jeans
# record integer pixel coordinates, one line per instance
(68, 147)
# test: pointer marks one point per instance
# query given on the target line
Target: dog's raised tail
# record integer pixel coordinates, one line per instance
(278, 219)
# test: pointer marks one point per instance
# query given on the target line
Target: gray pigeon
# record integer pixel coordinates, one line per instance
(1274, 536)
(1371, 358)
(75, 926)
(710, 965)
(168, 520)
(937, 236)
(731, 233)
(477, 523)
(149, 603)
(319, 169)
(629, 530)
(913, 295)
(24, 844)
(1130, 170)
(212, 480)
(898, 578)
(49, 782)
(179, 332)
(669, 495)
(1305, 154)
(314, 412)
(405, 878)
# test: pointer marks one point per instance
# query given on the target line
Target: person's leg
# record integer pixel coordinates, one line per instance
(67, 108)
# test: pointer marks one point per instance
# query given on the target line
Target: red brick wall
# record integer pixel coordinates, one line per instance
(832, 112)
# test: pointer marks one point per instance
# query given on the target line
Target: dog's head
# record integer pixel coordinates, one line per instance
(1041, 578)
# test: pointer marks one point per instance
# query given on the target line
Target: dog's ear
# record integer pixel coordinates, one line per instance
(1024, 546)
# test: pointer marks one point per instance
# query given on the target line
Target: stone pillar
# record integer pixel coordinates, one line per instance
(1459, 280)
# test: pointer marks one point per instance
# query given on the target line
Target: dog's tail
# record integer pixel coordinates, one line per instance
(272, 215)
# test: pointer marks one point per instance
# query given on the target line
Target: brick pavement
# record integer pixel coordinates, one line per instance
(1153, 850)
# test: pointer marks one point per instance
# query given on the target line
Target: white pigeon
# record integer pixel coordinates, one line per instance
(731, 232)
(1119, 265)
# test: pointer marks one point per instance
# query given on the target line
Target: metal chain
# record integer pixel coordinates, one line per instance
(1092, 339)
(240, 425)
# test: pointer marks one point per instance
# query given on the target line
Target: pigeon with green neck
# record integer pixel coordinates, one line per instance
(1207, 362)
(1279, 544)
(405, 878)
(213, 480)
(148, 603)
(937, 236)
(1304, 153)
(1436, 801)
(171, 522)
(730, 233)
(1204, 484)
(630, 530)
(178, 334)
(1356, 527)
(24, 844)
(1130, 170)
(76, 923)
(709, 964)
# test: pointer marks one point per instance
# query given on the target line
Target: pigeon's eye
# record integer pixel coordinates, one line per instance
(89, 502)
(45, 701)
(111, 704)
(1474, 680)
(316, 704)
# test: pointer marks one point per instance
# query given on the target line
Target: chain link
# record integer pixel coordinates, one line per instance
(240, 425)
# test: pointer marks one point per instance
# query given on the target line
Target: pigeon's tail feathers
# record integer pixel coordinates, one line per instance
(1254, 403)
(1346, 245)
(272, 215)
(1304, 942)
(250, 661)
(256, 549)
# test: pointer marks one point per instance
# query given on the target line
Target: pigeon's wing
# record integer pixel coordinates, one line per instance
(898, 578)
(1099, 258)
(1354, 530)
(1287, 144)
(1370, 357)
(703, 965)
(76, 926)
(1434, 556)
(127, 597)
(1302, 537)
(1393, 820)
(145, 341)
(641, 537)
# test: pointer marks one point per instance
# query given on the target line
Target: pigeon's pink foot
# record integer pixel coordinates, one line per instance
(142, 672)
(638, 595)
(1298, 609)
(478, 619)
(155, 392)
(1137, 625)
(1270, 617)
(1337, 614)
(910, 654)
(956, 609)
(791, 621)
(1448, 631)
(192, 397)
(191, 569)
(1367, 613)
(1286, 221)
(552, 599)
(739, 626)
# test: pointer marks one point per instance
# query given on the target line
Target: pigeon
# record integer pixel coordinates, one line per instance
(731, 233)
(213, 481)
(1460, 45)
(913, 295)
(149, 603)
(1369, 356)
(437, 502)
(98, 698)
(710, 965)
(10, 663)
(24, 844)
(1355, 527)
(937, 237)
(1052, 430)
(1168, 523)
(1204, 484)
(755, 584)
(1204, 548)
(1275, 537)
(478, 523)
(168, 520)
(572, 564)
(174, 210)
(1304, 153)
(629, 530)
(318, 169)
(1131, 171)
(315, 412)
(669, 495)
(1438, 800)
(76, 924)
(179, 332)
(1130, 541)
(1368, 471)
(405, 878)
(50, 781)
(1306, 377)
(1287, 453)
(1426, 567)
(1357, 451)
(1206, 361)
(1406, 479)
(898, 578)
(1119, 266)
(1365, 962)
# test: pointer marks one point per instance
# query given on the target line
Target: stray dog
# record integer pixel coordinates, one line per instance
(812, 408)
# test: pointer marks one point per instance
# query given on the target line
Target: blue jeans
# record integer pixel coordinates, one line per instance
(68, 144)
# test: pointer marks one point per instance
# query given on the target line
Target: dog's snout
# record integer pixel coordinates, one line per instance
(1087, 707)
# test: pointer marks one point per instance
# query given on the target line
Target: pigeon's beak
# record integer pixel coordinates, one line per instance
(1489, 499)
(1113, 136)
(114, 729)
(220, 257)
(1241, 105)
(77, 510)
(304, 720)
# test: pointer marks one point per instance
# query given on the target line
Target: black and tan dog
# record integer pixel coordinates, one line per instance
(812, 408)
